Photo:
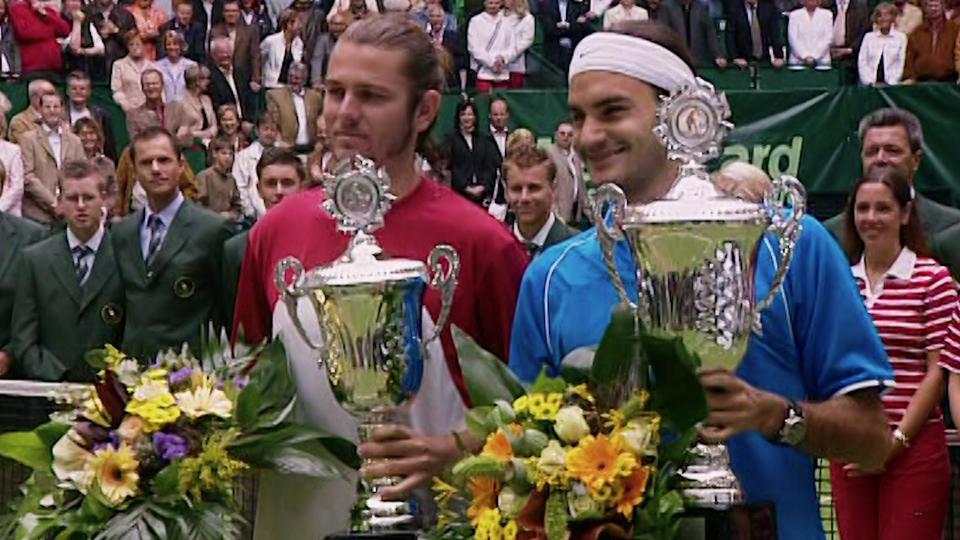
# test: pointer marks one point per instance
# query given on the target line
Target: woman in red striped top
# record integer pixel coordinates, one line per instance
(950, 360)
(910, 298)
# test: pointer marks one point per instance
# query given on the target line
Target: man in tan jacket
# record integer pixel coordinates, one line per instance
(44, 150)
(295, 108)
(28, 119)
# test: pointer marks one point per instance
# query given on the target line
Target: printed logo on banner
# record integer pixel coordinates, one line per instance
(776, 160)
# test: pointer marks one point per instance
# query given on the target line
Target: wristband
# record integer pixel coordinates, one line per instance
(901, 438)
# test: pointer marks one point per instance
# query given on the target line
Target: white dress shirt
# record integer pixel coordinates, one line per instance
(174, 84)
(892, 47)
(619, 13)
(12, 195)
(598, 7)
(489, 36)
(76, 114)
(93, 243)
(228, 75)
(523, 31)
(166, 216)
(303, 135)
(4, 64)
(500, 137)
(810, 36)
(272, 50)
(541, 235)
(53, 137)
(840, 23)
(245, 174)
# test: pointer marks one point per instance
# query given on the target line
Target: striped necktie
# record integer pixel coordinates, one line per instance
(155, 226)
(80, 262)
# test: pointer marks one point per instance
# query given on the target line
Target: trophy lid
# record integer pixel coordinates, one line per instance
(360, 266)
(695, 199)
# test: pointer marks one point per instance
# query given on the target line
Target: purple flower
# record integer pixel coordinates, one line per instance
(241, 381)
(169, 445)
(179, 376)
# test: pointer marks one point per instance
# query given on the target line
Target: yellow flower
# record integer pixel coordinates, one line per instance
(582, 392)
(94, 411)
(497, 446)
(521, 404)
(510, 530)
(613, 419)
(633, 488)
(152, 384)
(204, 400)
(598, 461)
(115, 472)
(545, 406)
(483, 490)
(156, 412)
(114, 355)
(70, 461)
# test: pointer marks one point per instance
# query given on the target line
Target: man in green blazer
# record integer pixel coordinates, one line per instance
(893, 137)
(69, 297)
(168, 255)
(15, 235)
(530, 178)
(281, 173)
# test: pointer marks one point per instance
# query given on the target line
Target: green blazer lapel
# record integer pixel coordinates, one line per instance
(126, 238)
(64, 269)
(558, 233)
(12, 243)
(175, 239)
(104, 268)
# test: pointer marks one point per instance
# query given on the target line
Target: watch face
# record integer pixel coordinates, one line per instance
(794, 428)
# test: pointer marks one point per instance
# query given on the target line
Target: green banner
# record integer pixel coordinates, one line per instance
(809, 133)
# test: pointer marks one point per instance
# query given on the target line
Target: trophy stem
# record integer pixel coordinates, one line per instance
(371, 513)
(707, 480)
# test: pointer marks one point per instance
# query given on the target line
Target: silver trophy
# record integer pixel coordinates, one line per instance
(695, 252)
(369, 309)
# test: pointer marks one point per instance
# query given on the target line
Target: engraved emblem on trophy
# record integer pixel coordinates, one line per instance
(369, 310)
(695, 253)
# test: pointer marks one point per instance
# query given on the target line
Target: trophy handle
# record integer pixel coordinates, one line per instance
(787, 203)
(290, 293)
(610, 194)
(446, 282)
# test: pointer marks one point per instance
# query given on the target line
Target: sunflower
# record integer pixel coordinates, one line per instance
(597, 461)
(484, 490)
(115, 471)
(633, 488)
(498, 446)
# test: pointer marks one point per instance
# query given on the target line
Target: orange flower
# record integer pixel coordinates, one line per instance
(498, 446)
(633, 488)
(484, 491)
(598, 461)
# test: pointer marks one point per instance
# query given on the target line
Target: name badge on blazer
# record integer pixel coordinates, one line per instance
(184, 287)
(111, 313)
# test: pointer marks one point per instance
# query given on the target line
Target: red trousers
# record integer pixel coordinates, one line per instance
(516, 80)
(484, 85)
(908, 501)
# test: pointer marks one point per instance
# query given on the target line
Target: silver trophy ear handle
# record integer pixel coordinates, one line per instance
(787, 203)
(610, 194)
(290, 293)
(445, 281)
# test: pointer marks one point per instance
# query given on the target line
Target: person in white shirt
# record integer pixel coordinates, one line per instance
(523, 27)
(281, 48)
(626, 10)
(490, 42)
(810, 34)
(499, 119)
(245, 167)
(883, 51)
(174, 66)
(909, 16)
(11, 195)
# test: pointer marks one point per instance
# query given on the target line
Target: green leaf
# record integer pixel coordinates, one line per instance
(545, 384)
(97, 358)
(95, 504)
(677, 393)
(676, 450)
(575, 367)
(486, 377)
(478, 466)
(315, 462)
(248, 406)
(51, 432)
(477, 421)
(270, 378)
(619, 366)
(555, 515)
(167, 481)
(27, 448)
(254, 446)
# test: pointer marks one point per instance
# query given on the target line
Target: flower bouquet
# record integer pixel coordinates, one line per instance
(592, 453)
(158, 451)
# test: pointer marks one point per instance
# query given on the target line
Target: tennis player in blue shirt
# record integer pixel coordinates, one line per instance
(808, 387)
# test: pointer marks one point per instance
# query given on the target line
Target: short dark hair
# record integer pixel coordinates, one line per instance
(76, 169)
(267, 120)
(78, 75)
(276, 155)
(911, 234)
(526, 156)
(890, 117)
(660, 34)
(462, 106)
(563, 121)
(220, 142)
(150, 133)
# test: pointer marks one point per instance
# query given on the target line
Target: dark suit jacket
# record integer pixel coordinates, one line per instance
(550, 16)
(56, 321)
(739, 41)
(8, 46)
(246, 48)
(941, 226)
(113, 44)
(456, 47)
(472, 167)
(15, 235)
(702, 41)
(233, 250)
(195, 35)
(200, 14)
(220, 92)
(858, 22)
(174, 299)
(559, 232)
(103, 117)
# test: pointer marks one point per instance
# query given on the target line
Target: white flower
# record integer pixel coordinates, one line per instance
(551, 459)
(70, 461)
(570, 424)
(203, 400)
(509, 502)
(581, 505)
(127, 372)
(639, 437)
(151, 387)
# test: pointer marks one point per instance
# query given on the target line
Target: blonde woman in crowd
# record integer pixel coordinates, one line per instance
(174, 66)
(229, 121)
(518, 18)
(91, 137)
(883, 50)
(125, 78)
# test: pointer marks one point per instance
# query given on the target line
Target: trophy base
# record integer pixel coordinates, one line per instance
(712, 498)
(738, 522)
(375, 535)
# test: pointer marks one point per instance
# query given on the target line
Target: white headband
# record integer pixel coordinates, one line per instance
(631, 56)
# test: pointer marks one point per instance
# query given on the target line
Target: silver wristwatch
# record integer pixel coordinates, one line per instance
(794, 427)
